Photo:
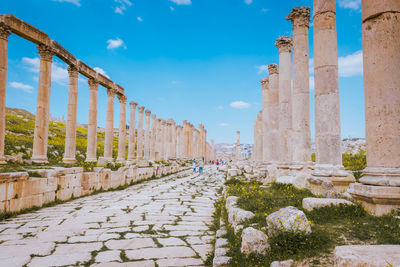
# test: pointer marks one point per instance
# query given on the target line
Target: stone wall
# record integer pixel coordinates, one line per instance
(19, 191)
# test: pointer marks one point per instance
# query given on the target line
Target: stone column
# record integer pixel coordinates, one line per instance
(266, 143)
(152, 137)
(300, 17)
(39, 153)
(139, 155)
(273, 113)
(122, 129)
(70, 134)
(4, 33)
(327, 105)
(379, 190)
(166, 140)
(132, 132)
(158, 140)
(109, 134)
(284, 44)
(147, 137)
(92, 122)
(238, 152)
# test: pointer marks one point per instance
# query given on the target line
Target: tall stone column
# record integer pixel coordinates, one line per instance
(153, 137)
(300, 17)
(166, 140)
(70, 134)
(284, 44)
(140, 141)
(41, 132)
(266, 143)
(158, 140)
(238, 152)
(379, 190)
(327, 105)
(132, 132)
(109, 134)
(122, 129)
(4, 33)
(92, 122)
(273, 113)
(147, 137)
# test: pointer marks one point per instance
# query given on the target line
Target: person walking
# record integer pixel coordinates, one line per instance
(194, 166)
(201, 166)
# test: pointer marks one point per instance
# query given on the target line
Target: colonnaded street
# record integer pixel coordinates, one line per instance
(162, 222)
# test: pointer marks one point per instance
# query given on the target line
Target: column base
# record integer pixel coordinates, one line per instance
(39, 159)
(377, 200)
(103, 161)
(143, 163)
(381, 176)
(69, 160)
(91, 160)
(340, 178)
(121, 160)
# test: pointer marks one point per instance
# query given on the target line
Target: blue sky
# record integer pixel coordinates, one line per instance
(199, 60)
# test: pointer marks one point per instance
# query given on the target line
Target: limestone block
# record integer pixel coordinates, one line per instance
(222, 261)
(367, 256)
(287, 263)
(13, 176)
(254, 241)
(289, 219)
(315, 203)
(34, 186)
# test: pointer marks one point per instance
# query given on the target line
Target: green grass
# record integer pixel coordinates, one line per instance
(331, 226)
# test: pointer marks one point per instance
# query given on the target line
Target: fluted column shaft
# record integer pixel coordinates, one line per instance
(140, 141)
(4, 33)
(109, 134)
(41, 132)
(327, 105)
(264, 121)
(132, 131)
(300, 17)
(147, 136)
(122, 129)
(92, 122)
(70, 134)
(273, 113)
(284, 44)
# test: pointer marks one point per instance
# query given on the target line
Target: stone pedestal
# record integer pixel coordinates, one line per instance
(284, 44)
(379, 188)
(92, 122)
(301, 147)
(140, 139)
(39, 153)
(108, 139)
(4, 33)
(70, 135)
(132, 132)
(122, 129)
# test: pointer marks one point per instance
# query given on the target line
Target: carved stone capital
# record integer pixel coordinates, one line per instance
(265, 83)
(5, 31)
(133, 104)
(273, 69)
(284, 44)
(45, 53)
(122, 98)
(300, 16)
(147, 112)
(141, 109)
(93, 84)
(111, 92)
(73, 71)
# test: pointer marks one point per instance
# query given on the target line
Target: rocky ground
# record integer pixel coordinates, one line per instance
(162, 222)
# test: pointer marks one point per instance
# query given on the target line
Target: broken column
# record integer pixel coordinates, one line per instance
(39, 153)
(379, 190)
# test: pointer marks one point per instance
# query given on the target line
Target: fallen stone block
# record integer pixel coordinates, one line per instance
(311, 203)
(254, 241)
(367, 256)
(289, 219)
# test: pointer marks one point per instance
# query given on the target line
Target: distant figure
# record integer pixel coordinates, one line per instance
(217, 165)
(201, 166)
(194, 166)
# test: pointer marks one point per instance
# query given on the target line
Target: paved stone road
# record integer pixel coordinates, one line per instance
(161, 222)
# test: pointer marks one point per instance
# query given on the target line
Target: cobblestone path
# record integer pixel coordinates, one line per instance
(161, 222)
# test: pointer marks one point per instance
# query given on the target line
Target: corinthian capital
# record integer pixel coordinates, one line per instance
(45, 53)
(122, 98)
(264, 83)
(300, 16)
(273, 69)
(5, 31)
(73, 71)
(284, 44)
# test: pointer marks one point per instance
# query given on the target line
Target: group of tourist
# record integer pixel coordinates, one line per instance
(198, 165)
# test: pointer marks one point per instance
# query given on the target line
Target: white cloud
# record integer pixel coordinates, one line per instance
(75, 2)
(172, 8)
(264, 10)
(262, 69)
(351, 65)
(139, 19)
(122, 5)
(240, 105)
(248, 2)
(113, 44)
(350, 4)
(182, 2)
(24, 87)
(223, 124)
(101, 71)
(58, 73)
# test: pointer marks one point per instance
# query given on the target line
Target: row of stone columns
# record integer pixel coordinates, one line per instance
(156, 139)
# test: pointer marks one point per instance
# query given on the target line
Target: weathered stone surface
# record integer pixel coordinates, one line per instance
(314, 203)
(289, 219)
(254, 241)
(288, 263)
(367, 256)
(222, 261)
